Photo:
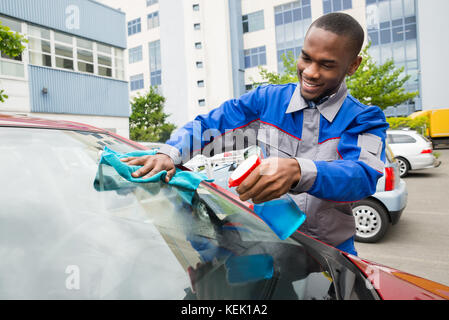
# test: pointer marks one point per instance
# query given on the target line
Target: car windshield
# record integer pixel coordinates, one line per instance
(66, 235)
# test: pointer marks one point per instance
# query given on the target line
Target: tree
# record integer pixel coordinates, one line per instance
(381, 85)
(288, 76)
(11, 45)
(371, 84)
(148, 120)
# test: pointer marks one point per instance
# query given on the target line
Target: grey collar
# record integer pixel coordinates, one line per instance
(328, 109)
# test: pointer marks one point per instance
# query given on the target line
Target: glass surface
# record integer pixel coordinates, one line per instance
(402, 138)
(103, 71)
(64, 63)
(61, 50)
(85, 55)
(38, 32)
(63, 38)
(73, 229)
(86, 44)
(40, 59)
(12, 69)
(85, 67)
(39, 45)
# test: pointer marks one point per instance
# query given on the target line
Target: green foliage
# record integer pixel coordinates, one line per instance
(381, 85)
(10, 45)
(148, 120)
(288, 76)
(419, 124)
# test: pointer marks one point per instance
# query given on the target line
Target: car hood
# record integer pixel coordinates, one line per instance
(392, 284)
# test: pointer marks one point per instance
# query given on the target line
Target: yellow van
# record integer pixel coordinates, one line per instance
(438, 130)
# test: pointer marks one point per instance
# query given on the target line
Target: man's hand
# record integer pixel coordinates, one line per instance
(152, 165)
(270, 180)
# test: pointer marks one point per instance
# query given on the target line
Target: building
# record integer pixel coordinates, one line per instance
(73, 65)
(202, 52)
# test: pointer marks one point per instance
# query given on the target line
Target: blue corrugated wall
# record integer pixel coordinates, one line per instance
(84, 18)
(77, 93)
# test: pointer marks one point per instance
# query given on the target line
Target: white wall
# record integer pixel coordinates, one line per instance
(18, 93)
(433, 30)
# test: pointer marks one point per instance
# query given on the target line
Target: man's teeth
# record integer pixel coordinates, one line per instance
(310, 85)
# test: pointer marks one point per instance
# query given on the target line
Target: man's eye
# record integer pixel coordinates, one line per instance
(305, 58)
(326, 66)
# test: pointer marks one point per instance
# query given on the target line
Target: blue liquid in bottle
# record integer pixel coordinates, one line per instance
(282, 215)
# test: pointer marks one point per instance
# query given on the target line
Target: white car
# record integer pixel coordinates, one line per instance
(412, 150)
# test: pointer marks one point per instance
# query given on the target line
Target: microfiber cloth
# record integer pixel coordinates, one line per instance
(186, 180)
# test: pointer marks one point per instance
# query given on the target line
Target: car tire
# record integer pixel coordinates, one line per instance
(371, 221)
(404, 166)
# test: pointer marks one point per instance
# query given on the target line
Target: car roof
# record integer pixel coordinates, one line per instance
(18, 120)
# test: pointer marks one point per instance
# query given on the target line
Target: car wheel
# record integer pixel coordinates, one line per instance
(404, 167)
(371, 221)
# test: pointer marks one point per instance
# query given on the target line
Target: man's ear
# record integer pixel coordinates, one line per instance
(354, 65)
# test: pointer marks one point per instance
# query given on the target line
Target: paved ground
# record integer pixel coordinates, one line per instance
(419, 243)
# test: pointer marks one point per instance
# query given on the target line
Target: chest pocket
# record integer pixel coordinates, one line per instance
(327, 150)
(276, 143)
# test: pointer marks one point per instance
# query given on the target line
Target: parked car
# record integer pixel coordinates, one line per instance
(412, 150)
(72, 228)
(374, 215)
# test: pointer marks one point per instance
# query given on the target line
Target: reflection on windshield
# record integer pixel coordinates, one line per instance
(132, 241)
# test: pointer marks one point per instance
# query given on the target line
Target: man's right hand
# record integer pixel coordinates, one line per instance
(152, 165)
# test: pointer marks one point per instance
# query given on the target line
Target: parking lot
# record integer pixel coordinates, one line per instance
(419, 243)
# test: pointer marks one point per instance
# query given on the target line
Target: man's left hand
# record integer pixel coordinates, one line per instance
(270, 180)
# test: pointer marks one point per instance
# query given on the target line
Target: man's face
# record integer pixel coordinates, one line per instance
(325, 61)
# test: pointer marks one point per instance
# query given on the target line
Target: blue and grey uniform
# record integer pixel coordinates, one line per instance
(339, 145)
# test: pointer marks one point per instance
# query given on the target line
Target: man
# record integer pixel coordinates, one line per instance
(330, 149)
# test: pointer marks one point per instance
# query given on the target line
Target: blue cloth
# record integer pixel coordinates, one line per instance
(187, 180)
(348, 246)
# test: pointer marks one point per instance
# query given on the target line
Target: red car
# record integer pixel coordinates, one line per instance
(72, 228)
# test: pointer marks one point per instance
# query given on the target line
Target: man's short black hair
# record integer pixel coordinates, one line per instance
(342, 24)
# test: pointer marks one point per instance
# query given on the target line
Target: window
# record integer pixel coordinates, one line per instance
(134, 26)
(119, 64)
(153, 20)
(135, 54)
(198, 45)
(200, 83)
(336, 5)
(73, 53)
(401, 138)
(199, 64)
(85, 55)
(136, 82)
(293, 11)
(39, 46)
(155, 63)
(253, 22)
(197, 26)
(63, 51)
(255, 57)
(12, 66)
(104, 57)
(151, 2)
(196, 7)
(201, 102)
(292, 21)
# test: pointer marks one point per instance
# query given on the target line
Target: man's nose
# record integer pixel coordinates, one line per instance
(311, 71)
